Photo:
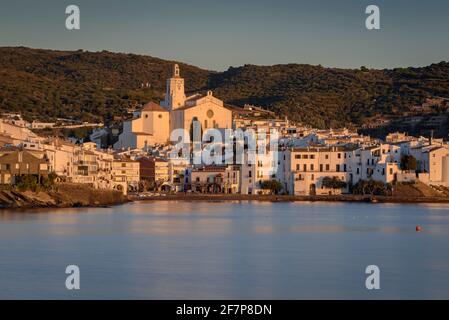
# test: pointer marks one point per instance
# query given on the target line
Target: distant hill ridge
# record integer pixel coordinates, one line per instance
(99, 86)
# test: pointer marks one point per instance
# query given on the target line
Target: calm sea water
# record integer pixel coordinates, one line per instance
(227, 250)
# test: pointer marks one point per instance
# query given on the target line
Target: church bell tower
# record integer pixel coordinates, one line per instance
(175, 96)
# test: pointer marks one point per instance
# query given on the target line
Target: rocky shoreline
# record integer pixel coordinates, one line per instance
(61, 196)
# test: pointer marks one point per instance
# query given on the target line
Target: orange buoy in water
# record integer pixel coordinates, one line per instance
(418, 228)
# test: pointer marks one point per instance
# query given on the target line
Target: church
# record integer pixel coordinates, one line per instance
(153, 123)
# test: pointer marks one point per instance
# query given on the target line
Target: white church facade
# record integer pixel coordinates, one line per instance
(153, 123)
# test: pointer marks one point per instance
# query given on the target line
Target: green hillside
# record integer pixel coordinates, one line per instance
(98, 86)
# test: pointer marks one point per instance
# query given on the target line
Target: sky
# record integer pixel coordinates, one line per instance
(217, 34)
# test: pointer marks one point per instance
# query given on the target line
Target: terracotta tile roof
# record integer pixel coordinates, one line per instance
(151, 106)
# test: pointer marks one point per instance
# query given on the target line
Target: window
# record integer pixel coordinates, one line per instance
(337, 168)
(339, 156)
(312, 156)
(305, 167)
(326, 156)
(297, 156)
(205, 124)
(298, 167)
(250, 173)
(327, 167)
(321, 167)
(306, 156)
(358, 170)
(312, 167)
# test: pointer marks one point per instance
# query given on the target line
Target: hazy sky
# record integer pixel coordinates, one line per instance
(217, 34)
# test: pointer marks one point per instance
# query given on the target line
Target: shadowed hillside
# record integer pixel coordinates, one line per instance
(97, 86)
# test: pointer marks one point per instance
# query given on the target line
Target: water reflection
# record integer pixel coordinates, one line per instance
(240, 250)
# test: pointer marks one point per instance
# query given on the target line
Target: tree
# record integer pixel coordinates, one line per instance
(28, 182)
(273, 185)
(333, 183)
(408, 162)
(49, 181)
(372, 187)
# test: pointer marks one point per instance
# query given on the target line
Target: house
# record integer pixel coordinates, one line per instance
(256, 168)
(85, 167)
(125, 174)
(215, 179)
(435, 162)
(18, 162)
(155, 170)
(60, 155)
(305, 168)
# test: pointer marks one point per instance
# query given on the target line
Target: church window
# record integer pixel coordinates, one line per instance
(210, 114)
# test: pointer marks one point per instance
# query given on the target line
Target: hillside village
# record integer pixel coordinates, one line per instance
(307, 161)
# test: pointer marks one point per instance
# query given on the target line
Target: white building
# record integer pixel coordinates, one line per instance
(148, 128)
(305, 168)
